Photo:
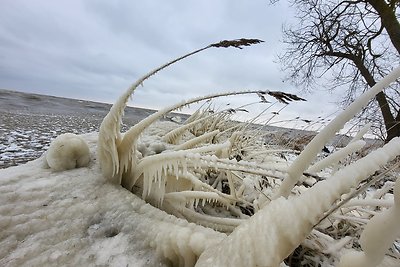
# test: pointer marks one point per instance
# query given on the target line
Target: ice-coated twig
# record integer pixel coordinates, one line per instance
(196, 141)
(361, 132)
(355, 193)
(173, 136)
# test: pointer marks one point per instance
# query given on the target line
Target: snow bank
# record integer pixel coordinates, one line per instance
(76, 218)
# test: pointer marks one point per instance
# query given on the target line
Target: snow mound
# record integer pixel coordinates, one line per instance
(67, 151)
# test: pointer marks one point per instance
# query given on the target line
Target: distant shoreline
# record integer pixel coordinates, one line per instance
(28, 122)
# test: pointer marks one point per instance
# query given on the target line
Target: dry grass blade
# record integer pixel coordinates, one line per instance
(238, 43)
(263, 100)
(282, 96)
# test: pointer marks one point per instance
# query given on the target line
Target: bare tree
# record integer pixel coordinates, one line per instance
(351, 42)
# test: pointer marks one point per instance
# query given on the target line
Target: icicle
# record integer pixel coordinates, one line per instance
(145, 185)
(158, 178)
(184, 167)
(166, 168)
(157, 174)
(162, 191)
(191, 203)
(175, 169)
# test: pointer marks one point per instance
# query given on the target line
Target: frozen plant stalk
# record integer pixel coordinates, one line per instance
(315, 146)
(377, 237)
(116, 153)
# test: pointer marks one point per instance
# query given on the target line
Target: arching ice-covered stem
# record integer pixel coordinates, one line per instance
(315, 146)
(109, 133)
(336, 157)
(173, 136)
(361, 132)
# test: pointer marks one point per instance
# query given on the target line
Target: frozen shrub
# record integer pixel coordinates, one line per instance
(197, 179)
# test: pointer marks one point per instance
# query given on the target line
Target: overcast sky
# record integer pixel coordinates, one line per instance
(94, 49)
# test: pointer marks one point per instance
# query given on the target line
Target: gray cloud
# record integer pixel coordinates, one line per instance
(96, 49)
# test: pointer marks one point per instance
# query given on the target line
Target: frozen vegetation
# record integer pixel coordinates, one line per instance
(208, 192)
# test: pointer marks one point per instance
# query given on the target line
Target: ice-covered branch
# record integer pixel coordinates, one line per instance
(317, 143)
(361, 132)
(197, 140)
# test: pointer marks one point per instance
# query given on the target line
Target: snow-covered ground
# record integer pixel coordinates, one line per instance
(77, 218)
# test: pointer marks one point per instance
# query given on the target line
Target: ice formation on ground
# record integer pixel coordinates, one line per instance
(77, 218)
(67, 151)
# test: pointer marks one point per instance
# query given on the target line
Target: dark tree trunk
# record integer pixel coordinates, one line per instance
(391, 123)
(388, 19)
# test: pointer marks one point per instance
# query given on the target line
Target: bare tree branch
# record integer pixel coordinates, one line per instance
(350, 42)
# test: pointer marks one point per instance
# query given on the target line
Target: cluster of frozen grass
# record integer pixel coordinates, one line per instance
(218, 196)
(174, 178)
